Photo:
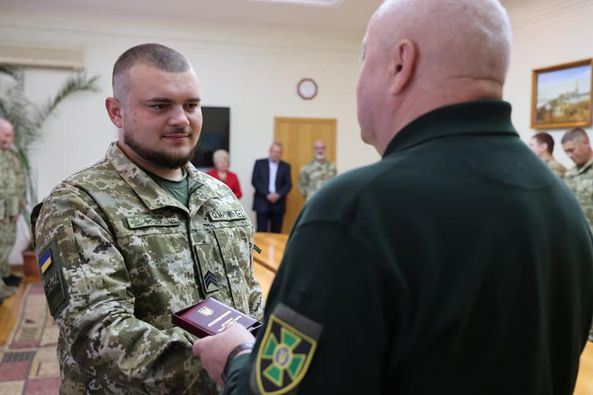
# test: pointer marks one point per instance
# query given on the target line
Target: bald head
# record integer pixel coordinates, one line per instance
(420, 55)
(6, 134)
(455, 38)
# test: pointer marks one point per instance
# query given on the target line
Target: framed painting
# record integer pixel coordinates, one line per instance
(561, 95)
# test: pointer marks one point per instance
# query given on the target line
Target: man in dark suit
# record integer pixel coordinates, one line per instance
(271, 180)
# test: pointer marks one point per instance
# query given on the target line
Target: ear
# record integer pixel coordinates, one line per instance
(403, 65)
(114, 110)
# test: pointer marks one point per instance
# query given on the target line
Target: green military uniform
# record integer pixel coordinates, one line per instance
(314, 175)
(118, 255)
(556, 167)
(458, 264)
(580, 181)
(12, 201)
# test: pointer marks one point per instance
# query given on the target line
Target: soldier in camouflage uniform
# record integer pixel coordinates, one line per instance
(579, 179)
(542, 144)
(142, 234)
(317, 172)
(12, 201)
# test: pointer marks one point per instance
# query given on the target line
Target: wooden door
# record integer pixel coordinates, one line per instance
(297, 135)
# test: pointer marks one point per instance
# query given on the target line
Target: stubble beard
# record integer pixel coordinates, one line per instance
(158, 158)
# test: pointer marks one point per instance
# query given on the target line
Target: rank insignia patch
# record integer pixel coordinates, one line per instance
(286, 351)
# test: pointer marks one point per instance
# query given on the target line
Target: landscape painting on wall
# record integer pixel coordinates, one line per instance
(561, 96)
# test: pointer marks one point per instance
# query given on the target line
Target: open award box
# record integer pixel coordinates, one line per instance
(210, 316)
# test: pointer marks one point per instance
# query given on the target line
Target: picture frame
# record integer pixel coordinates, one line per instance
(561, 95)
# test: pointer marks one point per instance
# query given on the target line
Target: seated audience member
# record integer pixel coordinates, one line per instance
(543, 146)
(130, 240)
(221, 172)
(457, 264)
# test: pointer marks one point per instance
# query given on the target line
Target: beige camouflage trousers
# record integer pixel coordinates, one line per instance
(7, 239)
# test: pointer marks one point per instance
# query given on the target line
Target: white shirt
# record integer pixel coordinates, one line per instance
(273, 172)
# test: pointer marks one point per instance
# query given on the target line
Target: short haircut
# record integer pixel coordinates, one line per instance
(155, 55)
(220, 154)
(573, 134)
(545, 138)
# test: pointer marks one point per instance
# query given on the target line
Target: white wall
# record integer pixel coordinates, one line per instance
(545, 33)
(250, 69)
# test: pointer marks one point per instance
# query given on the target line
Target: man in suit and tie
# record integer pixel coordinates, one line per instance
(271, 180)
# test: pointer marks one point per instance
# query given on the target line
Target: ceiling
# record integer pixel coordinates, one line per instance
(344, 15)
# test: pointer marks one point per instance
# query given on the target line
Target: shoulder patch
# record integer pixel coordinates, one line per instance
(53, 281)
(285, 353)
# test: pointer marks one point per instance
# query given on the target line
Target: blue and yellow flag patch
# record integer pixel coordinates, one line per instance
(286, 351)
(45, 261)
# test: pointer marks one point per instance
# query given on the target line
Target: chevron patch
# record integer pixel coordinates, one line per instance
(211, 282)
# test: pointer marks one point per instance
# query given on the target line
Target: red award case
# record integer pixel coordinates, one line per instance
(210, 317)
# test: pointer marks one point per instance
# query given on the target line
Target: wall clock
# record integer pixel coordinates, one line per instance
(307, 88)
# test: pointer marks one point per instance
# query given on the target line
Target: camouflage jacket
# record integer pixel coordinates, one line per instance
(118, 255)
(314, 175)
(12, 184)
(580, 181)
(556, 167)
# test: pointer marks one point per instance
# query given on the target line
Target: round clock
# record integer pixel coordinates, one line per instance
(307, 88)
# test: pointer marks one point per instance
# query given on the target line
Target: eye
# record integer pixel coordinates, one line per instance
(158, 106)
(191, 107)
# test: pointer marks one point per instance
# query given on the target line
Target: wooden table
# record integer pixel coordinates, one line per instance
(266, 262)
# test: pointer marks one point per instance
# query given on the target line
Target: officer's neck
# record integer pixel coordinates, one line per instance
(175, 174)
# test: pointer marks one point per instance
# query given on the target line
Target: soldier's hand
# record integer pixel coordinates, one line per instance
(213, 351)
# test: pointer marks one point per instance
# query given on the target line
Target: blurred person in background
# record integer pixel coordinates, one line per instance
(221, 172)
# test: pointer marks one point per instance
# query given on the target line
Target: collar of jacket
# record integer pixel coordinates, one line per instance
(585, 167)
(151, 194)
(477, 118)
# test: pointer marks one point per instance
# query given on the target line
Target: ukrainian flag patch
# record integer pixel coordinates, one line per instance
(285, 352)
(45, 261)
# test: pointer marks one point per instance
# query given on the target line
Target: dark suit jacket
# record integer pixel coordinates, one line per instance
(261, 181)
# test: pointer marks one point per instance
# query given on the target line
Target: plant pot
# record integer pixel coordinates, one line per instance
(30, 266)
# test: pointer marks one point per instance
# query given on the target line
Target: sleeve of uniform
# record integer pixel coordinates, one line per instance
(303, 181)
(256, 302)
(329, 279)
(96, 317)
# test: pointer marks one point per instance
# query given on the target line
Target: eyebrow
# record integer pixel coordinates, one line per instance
(167, 100)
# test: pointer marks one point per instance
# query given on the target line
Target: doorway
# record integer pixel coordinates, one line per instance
(297, 135)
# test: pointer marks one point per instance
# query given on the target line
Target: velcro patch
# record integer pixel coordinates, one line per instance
(53, 281)
(230, 215)
(146, 221)
(285, 353)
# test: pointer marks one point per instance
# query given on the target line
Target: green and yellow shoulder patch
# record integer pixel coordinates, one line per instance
(286, 351)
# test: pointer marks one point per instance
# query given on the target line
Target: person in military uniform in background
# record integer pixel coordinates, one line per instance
(142, 234)
(12, 202)
(317, 172)
(579, 179)
(542, 144)
(457, 264)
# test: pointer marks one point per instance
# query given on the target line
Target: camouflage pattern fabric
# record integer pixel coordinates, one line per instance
(556, 167)
(580, 181)
(119, 255)
(12, 201)
(314, 175)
